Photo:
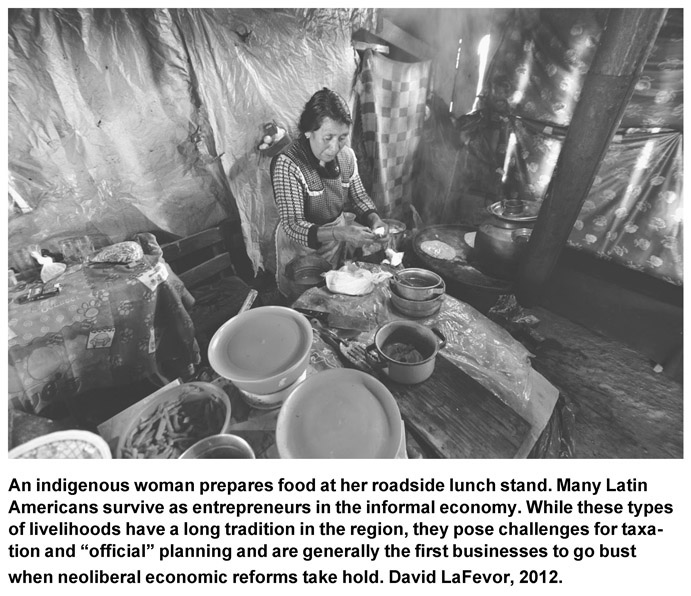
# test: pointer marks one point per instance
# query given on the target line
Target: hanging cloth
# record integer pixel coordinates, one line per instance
(392, 99)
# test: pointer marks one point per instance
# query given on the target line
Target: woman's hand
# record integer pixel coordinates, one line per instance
(355, 234)
(379, 227)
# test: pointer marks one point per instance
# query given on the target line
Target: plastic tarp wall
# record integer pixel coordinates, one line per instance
(124, 120)
(633, 213)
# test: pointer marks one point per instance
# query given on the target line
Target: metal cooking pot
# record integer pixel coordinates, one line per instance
(397, 233)
(501, 240)
(417, 284)
(416, 309)
(425, 341)
(306, 271)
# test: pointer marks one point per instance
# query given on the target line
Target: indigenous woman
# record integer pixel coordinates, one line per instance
(314, 180)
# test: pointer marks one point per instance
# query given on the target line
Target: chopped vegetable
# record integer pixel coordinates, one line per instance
(173, 427)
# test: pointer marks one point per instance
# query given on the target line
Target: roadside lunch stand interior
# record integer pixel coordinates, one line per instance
(527, 162)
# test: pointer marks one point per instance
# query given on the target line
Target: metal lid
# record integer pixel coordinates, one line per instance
(515, 210)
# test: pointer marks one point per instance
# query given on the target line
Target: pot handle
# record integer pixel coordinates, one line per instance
(521, 235)
(441, 336)
(373, 357)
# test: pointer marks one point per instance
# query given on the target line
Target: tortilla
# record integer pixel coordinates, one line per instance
(438, 250)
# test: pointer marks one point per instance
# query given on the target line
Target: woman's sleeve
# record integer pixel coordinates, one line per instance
(288, 193)
(362, 203)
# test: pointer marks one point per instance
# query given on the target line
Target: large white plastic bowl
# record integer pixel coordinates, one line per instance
(262, 350)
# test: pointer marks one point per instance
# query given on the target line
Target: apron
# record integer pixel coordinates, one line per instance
(286, 250)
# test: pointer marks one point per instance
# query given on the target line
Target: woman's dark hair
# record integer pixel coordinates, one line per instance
(324, 104)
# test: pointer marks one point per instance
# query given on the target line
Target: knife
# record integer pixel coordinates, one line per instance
(336, 321)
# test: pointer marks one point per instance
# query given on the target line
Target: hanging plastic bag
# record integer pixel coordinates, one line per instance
(49, 269)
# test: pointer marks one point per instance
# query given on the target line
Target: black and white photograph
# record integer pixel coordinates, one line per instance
(414, 233)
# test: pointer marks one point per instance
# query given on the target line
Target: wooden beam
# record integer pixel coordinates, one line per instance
(375, 47)
(396, 36)
(625, 45)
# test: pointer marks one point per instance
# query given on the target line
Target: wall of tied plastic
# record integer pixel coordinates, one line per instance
(122, 120)
(633, 214)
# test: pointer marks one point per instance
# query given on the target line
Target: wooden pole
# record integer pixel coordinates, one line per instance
(625, 45)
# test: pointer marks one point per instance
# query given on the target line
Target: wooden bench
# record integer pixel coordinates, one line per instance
(198, 258)
(204, 265)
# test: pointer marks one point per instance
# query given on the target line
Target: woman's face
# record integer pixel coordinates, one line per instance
(329, 139)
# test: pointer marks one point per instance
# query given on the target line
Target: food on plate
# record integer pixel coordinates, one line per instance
(438, 250)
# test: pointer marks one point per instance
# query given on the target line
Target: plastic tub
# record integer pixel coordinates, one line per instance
(263, 350)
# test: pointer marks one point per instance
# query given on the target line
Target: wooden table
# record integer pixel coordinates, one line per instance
(110, 325)
(484, 399)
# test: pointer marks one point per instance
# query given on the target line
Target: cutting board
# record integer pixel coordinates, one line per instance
(455, 417)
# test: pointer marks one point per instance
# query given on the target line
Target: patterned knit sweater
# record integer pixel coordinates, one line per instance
(309, 195)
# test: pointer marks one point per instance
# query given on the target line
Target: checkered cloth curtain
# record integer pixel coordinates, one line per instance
(392, 99)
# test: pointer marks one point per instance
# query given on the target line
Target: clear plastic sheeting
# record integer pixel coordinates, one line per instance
(253, 67)
(103, 131)
(131, 120)
(633, 214)
(481, 348)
